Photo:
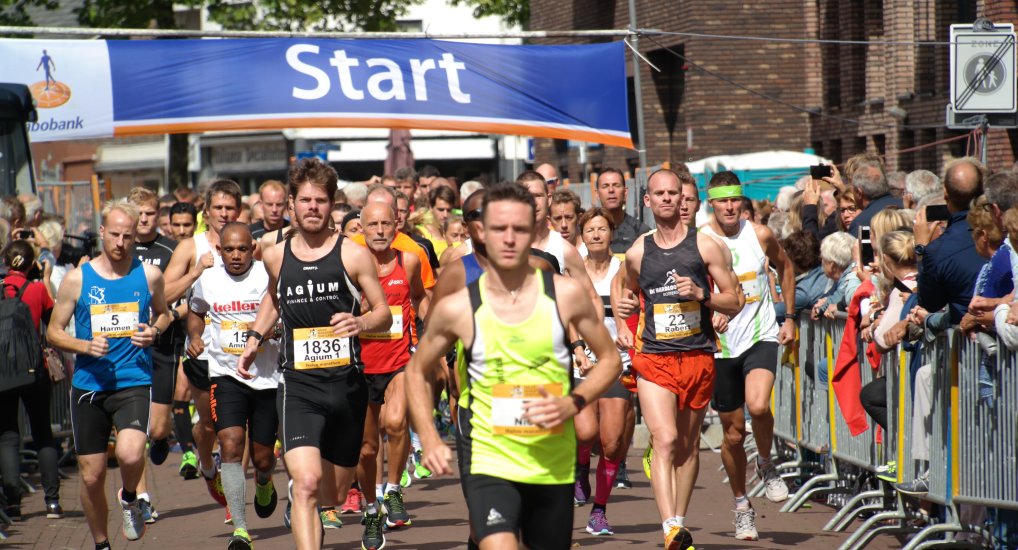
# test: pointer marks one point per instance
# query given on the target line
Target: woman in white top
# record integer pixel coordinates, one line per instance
(608, 419)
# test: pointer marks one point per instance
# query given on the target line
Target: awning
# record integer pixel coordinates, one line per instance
(122, 157)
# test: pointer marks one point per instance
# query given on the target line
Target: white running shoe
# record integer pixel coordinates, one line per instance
(745, 524)
(134, 519)
(774, 486)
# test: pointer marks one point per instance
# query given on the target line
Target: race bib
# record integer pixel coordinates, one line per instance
(750, 287)
(679, 320)
(507, 409)
(114, 320)
(231, 336)
(319, 348)
(395, 331)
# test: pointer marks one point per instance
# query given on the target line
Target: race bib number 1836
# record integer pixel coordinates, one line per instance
(319, 348)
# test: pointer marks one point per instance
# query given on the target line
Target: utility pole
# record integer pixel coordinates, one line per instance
(641, 146)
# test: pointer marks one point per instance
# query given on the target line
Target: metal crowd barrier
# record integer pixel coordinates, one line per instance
(973, 443)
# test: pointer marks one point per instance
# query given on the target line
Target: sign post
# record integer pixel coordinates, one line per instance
(984, 87)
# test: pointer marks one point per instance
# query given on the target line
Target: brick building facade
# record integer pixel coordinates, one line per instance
(839, 99)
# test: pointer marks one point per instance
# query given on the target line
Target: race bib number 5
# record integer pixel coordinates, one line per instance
(679, 320)
(319, 348)
(231, 336)
(114, 320)
(395, 331)
(507, 409)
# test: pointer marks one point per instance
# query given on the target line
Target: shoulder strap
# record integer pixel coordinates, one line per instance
(474, 289)
(21, 291)
(549, 283)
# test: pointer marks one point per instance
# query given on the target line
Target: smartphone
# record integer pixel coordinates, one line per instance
(820, 171)
(865, 246)
(937, 213)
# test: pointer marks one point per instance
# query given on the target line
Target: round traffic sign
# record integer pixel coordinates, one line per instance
(984, 74)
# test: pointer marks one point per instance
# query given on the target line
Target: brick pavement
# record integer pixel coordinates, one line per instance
(190, 519)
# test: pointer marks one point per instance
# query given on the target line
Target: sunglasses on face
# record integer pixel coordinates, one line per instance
(473, 215)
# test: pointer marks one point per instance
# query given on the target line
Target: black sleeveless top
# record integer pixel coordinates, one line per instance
(668, 323)
(310, 293)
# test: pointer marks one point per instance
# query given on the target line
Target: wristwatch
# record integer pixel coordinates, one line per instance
(254, 334)
(920, 249)
(579, 401)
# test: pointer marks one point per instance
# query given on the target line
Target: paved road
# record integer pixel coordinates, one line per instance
(190, 519)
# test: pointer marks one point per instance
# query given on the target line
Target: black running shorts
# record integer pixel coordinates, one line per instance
(235, 404)
(197, 373)
(95, 413)
(730, 374)
(328, 415)
(542, 515)
(378, 383)
(615, 391)
(164, 377)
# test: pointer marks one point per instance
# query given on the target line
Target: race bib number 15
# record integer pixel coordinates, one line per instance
(319, 348)
(114, 320)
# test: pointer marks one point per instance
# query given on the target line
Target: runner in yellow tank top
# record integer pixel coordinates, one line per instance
(516, 443)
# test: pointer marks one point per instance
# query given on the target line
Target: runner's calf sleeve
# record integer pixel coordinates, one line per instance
(182, 425)
(583, 454)
(235, 489)
(606, 472)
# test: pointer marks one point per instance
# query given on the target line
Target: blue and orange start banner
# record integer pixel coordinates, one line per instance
(96, 88)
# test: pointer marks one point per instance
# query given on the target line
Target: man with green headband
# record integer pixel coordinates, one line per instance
(747, 353)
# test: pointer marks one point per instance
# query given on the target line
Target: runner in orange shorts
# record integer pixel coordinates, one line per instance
(672, 269)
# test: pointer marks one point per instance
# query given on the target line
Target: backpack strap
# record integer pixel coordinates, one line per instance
(21, 291)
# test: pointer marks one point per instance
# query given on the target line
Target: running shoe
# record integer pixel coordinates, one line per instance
(240, 540)
(189, 466)
(774, 486)
(598, 524)
(622, 478)
(888, 472)
(330, 518)
(405, 480)
(134, 522)
(647, 456)
(917, 487)
(353, 502)
(14, 513)
(396, 515)
(147, 511)
(265, 499)
(581, 488)
(158, 450)
(745, 524)
(289, 504)
(228, 520)
(678, 538)
(420, 472)
(54, 510)
(215, 486)
(373, 538)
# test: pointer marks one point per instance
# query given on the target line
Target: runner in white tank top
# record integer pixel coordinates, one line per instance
(748, 346)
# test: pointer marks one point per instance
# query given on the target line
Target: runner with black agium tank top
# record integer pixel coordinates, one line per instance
(516, 442)
(119, 310)
(672, 269)
(320, 279)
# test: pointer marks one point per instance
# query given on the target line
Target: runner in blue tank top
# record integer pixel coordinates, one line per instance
(110, 298)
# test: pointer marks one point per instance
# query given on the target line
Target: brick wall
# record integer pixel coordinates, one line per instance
(862, 91)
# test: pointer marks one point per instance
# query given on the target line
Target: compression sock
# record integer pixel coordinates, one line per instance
(182, 425)
(583, 455)
(128, 497)
(235, 489)
(606, 472)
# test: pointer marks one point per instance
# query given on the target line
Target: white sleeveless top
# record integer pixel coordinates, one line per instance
(556, 247)
(757, 321)
(201, 246)
(603, 289)
(231, 303)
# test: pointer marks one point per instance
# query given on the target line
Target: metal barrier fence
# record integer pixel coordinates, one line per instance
(972, 443)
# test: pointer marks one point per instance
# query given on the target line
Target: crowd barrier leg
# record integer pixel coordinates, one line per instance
(812, 488)
(873, 527)
(844, 517)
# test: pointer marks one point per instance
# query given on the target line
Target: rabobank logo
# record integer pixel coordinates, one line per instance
(50, 92)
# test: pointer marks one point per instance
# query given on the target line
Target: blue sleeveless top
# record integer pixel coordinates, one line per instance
(114, 307)
(471, 269)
